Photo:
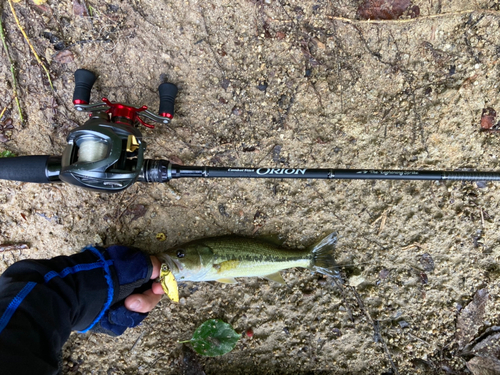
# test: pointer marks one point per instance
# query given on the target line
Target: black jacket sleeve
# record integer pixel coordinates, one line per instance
(42, 301)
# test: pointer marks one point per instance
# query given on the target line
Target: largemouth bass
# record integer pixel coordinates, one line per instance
(225, 258)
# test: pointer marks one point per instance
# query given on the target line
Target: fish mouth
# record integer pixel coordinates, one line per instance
(173, 264)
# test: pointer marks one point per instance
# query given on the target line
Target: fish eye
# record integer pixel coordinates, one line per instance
(180, 253)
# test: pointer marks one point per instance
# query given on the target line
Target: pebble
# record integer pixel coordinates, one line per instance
(356, 280)
(97, 240)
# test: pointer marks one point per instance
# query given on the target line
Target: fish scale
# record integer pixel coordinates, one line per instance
(239, 257)
(256, 251)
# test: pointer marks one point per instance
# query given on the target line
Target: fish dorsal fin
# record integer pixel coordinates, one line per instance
(276, 277)
(227, 280)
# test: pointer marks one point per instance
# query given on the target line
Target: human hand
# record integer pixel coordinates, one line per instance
(133, 270)
(145, 302)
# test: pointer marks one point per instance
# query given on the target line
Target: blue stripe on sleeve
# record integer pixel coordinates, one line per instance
(111, 291)
(14, 304)
(69, 270)
(102, 263)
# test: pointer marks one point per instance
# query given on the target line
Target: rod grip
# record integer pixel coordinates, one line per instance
(38, 169)
(84, 80)
(168, 92)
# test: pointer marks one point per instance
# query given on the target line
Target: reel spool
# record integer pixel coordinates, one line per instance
(91, 151)
(103, 155)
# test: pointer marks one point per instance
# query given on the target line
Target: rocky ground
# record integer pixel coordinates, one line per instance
(278, 83)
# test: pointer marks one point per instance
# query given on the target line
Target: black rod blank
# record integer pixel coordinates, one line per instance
(163, 171)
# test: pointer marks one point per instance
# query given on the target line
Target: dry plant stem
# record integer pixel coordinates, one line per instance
(21, 246)
(376, 328)
(3, 110)
(416, 19)
(12, 71)
(136, 341)
(29, 43)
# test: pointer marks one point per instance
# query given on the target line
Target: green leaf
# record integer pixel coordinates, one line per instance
(214, 338)
(7, 154)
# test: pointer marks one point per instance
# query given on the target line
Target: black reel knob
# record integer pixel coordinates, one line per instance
(84, 80)
(168, 92)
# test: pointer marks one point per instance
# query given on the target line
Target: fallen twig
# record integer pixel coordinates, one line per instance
(376, 330)
(344, 299)
(416, 19)
(136, 342)
(12, 71)
(13, 247)
(382, 218)
(3, 110)
(418, 339)
(416, 244)
(29, 43)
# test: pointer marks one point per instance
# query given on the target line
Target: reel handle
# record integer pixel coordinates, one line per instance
(168, 92)
(84, 80)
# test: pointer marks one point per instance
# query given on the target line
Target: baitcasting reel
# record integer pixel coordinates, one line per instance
(107, 152)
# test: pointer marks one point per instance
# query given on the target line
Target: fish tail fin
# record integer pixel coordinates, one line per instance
(323, 260)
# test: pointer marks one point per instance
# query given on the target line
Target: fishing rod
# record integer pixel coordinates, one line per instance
(106, 153)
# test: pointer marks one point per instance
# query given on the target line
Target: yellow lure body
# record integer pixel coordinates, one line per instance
(168, 283)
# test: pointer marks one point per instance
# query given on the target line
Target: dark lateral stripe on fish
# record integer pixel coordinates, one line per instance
(260, 258)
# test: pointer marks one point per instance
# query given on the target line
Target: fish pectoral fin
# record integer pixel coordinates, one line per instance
(227, 265)
(276, 277)
(227, 280)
